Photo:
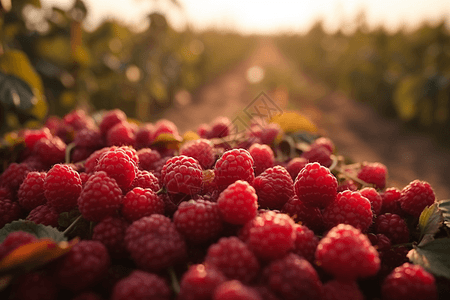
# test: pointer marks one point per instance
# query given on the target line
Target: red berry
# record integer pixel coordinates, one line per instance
(110, 119)
(203, 130)
(89, 138)
(140, 202)
(295, 165)
(31, 192)
(165, 126)
(342, 290)
(392, 226)
(92, 160)
(35, 286)
(416, 196)
(78, 119)
(199, 282)
(145, 179)
(379, 241)
(148, 158)
(121, 134)
(347, 254)
(305, 243)
(324, 142)
(315, 185)
(375, 199)
(391, 201)
(62, 187)
(270, 133)
(235, 290)
(6, 193)
(111, 233)
(14, 240)
(235, 164)
(140, 285)
(220, 127)
(409, 282)
(306, 215)
(44, 215)
(51, 151)
(238, 203)
(375, 173)
(347, 184)
(263, 157)
(274, 187)
(201, 150)
(14, 175)
(182, 174)
(31, 136)
(9, 211)
(319, 154)
(144, 136)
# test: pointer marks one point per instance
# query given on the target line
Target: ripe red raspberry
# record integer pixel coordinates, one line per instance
(315, 185)
(235, 290)
(375, 173)
(148, 158)
(306, 215)
(89, 138)
(121, 134)
(324, 142)
(14, 240)
(270, 133)
(9, 211)
(80, 154)
(375, 199)
(51, 151)
(34, 286)
(199, 282)
(342, 290)
(379, 241)
(235, 164)
(198, 220)
(78, 119)
(83, 266)
(62, 187)
(203, 130)
(44, 215)
(233, 258)
(347, 184)
(14, 175)
(271, 235)
(392, 258)
(293, 277)
(349, 208)
(392, 226)
(159, 165)
(319, 154)
(145, 180)
(409, 282)
(141, 285)
(92, 160)
(238, 203)
(182, 174)
(65, 132)
(263, 157)
(347, 254)
(31, 136)
(111, 233)
(140, 202)
(118, 165)
(305, 243)
(274, 187)
(154, 243)
(165, 126)
(31, 192)
(6, 193)
(101, 197)
(295, 165)
(220, 127)
(391, 201)
(416, 196)
(110, 119)
(144, 136)
(201, 150)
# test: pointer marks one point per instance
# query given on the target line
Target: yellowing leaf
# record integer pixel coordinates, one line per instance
(293, 122)
(190, 136)
(168, 140)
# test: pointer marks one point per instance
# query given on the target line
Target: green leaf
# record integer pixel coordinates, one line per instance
(429, 221)
(39, 230)
(444, 206)
(15, 93)
(433, 256)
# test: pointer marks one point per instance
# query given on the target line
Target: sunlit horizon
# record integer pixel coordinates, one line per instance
(265, 17)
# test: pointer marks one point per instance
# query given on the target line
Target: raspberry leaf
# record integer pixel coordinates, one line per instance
(433, 256)
(39, 230)
(429, 221)
(444, 206)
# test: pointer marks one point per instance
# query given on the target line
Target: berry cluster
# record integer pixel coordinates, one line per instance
(216, 217)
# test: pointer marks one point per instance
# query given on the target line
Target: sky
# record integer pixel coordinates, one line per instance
(265, 16)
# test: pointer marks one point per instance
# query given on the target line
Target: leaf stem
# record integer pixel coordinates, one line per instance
(68, 150)
(174, 279)
(72, 225)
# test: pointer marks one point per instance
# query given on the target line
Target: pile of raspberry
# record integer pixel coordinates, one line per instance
(213, 218)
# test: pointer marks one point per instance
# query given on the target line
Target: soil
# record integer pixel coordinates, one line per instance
(358, 132)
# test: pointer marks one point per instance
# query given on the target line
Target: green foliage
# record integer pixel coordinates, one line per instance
(433, 256)
(39, 230)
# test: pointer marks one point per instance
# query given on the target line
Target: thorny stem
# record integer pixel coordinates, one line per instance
(72, 225)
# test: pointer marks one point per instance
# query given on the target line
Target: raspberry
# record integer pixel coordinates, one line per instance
(148, 158)
(78, 119)
(347, 254)
(270, 133)
(274, 187)
(182, 174)
(203, 130)
(154, 243)
(198, 221)
(101, 197)
(14, 240)
(233, 258)
(83, 266)
(144, 136)
(65, 132)
(9, 211)
(80, 154)
(220, 127)
(201, 150)
(32, 136)
(92, 160)
(271, 235)
(306, 215)
(236, 164)
(111, 233)
(238, 203)
(392, 226)
(379, 241)
(35, 286)
(44, 215)
(324, 142)
(342, 290)
(391, 201)
(235, 290)
(263, 157)
(375, 173)
(349, 208)
(31, 192)
(51, 151)
(165, 126)
(121, 134)
(199, 282)
(89, 138)
(293, 277)
(52, 123)
(6, 193)
(375, 199)
(305, 243)
(145, 179)
(409, 282)
(392, 258)
(110, 119)
(62, 187)
(14, 175)
(347, 184)
(140, 202)
(295, 165)
(141, 285)
(315, 185)
(416, 196)
(319, 154)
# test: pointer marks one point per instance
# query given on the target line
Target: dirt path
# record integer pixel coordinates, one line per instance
(358, 132)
